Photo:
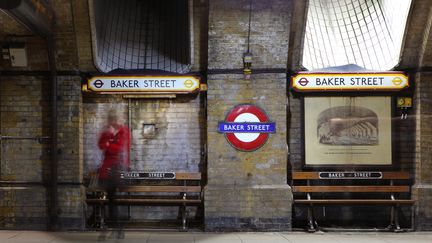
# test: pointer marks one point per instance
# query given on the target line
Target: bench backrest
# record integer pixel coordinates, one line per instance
(186, 182)
(386, 175)
(321, 184)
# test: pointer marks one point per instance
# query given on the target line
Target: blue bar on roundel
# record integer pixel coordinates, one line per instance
(247, 127)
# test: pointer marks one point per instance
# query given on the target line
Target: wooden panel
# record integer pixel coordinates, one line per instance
(354, 201)
(160, 189)
(387, 175)
(305, 175)
(351, 189)
(187, 176)
(396, 175)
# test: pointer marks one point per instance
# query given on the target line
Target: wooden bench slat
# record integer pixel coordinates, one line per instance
(145, 201)
(386, 175)
(136, 200)
(351, 189)
(188, 176)
(305, 175)
(160, 189)
(354, 201)
(396, 175)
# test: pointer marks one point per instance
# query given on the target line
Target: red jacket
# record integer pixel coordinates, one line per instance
(116, 149)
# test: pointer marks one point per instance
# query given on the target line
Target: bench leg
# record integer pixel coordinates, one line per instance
(312, 224)
(101, 216)
(184, 216)
(394, 219)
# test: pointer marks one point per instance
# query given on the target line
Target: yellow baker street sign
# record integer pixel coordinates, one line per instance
(384, 81)
(143, 84)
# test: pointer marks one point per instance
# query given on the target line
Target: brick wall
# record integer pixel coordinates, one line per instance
(70, 153)
(423, 176)
(23, 208)
(24, 109)
(247, 190)
(256, 180)
(266, 91)
(65, 36)
(24, 113)
(295, 133)
(82, 29)
(200, 35)
(69, 111)
(228, 30)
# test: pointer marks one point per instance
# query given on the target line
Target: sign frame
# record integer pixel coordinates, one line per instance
(300, 80)
(350, 175)
(139, 84)
(349, 166)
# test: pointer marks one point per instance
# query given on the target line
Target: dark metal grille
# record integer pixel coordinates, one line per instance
(142, 34)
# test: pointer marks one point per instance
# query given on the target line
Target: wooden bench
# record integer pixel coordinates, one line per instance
(370, 188)
(152, 189)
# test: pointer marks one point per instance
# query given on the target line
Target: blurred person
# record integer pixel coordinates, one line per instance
(114, 141)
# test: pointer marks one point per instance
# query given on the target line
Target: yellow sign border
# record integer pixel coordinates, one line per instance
(350, 88)
(136, 91)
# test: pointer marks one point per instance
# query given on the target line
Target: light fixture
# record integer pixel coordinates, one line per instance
(247, 64)
(247, 56)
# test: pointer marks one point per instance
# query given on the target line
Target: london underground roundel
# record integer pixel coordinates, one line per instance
(247, 127)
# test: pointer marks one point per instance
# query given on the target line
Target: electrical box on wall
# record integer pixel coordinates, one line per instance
(5, 52)
(404, 102)
(18, 54)
(149, 130)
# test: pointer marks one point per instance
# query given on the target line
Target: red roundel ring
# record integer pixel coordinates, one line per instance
(247, 145)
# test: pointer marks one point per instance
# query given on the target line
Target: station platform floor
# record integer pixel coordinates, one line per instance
(203, 237)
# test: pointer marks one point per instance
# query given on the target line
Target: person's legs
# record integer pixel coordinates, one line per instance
(113, 207)
(102, 236)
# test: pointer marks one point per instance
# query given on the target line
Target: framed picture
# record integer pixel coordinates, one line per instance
(348, 131)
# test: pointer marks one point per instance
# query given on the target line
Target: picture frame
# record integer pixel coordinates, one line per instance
(341, 131)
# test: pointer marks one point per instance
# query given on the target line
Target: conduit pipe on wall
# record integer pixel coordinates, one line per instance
(54, 209)
(38, 16)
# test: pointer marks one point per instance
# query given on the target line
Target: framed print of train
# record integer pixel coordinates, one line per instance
(347, 131)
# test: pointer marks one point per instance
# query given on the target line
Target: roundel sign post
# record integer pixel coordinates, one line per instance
(247, 127)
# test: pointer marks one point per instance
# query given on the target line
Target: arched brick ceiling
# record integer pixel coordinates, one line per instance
(417, 46)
